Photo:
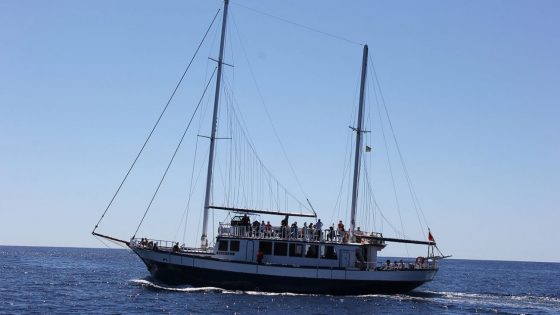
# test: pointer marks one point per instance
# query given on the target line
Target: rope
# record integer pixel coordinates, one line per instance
(270, 117)
(174, 153)
(405, 170)
(157, 123)
(244, 155)
(309, 28)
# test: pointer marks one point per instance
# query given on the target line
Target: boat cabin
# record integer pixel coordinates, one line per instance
(305, 247)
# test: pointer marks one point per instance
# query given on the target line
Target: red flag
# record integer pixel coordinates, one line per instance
(430, 237)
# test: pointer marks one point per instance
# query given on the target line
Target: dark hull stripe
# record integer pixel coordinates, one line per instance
(201, 277)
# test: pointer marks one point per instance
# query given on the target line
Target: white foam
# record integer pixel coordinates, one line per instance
(178, 289)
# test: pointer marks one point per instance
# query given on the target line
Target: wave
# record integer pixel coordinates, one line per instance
(476, 301)
(492, 302)
(189, 289)
(153, 285)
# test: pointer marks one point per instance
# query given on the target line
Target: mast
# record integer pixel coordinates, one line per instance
(359, 132)
(204, 237)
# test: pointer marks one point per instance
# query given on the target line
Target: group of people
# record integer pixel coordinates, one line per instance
(148, 244)
(144, 242)
(400, 265)
(308, 232)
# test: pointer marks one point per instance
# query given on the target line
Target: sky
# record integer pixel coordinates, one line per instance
(471, 87)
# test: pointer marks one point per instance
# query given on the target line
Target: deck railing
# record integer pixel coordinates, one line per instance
(292, 233)
(421, 263)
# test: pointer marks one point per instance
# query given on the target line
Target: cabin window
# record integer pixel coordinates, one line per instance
(280, 249)
(234, 246)
(312, 251)
(296, 250)
(328, 252)
(266, 247)
(223, 246)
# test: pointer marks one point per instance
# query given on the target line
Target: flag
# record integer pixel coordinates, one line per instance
(430, 237)
(368, 148)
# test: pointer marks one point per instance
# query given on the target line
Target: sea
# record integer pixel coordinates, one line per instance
(49, 280)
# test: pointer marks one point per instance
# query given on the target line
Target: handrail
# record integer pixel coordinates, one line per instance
(302, 234)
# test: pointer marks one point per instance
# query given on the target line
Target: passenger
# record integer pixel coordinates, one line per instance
(387, 265)
(330, 234)
(340, 230)
(261, 229)
(245, 220)
(304, 231)
(319, 224)
(256, 227)
(401, 265)
(268, 229)
(294, 230)
(155, 246)
(318, 229)
(246, 224)
(284, 227)
(260, 256)
(176, 247)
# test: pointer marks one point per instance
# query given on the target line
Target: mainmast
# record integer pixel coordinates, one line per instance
(204, 238)
(359, 133)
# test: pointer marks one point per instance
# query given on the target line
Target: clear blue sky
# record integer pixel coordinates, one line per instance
(472, 87)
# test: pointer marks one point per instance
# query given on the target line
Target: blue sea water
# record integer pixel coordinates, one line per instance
(108, 281)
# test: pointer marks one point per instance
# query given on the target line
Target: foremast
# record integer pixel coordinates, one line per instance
(359, 131)
(204, 237)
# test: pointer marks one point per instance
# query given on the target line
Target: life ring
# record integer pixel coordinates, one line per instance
(419, 260)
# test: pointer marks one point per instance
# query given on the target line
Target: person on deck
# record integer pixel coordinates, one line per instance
(246, 223)
(268, 229)
(284, 227)
(262, 228)
(330, 234)
(294, 230)
(176, 247)
(256, 227)
(341, 231)
(318, 228)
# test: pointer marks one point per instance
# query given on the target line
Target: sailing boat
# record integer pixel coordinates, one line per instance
(277, 258)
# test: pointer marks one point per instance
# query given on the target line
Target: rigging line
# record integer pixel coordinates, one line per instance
(390, 168)
(268, 113)
(175, 153)
(157, 122)
(299, 25)
(409, 180)
(236, 113)
(192, 185)
(348, 149)
(376, 205)
(187, 206)
(100, 240)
